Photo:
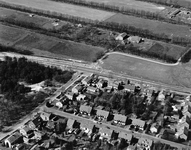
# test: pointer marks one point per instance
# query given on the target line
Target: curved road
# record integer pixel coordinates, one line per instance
(137, 57)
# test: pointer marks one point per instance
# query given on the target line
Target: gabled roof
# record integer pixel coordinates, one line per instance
(138, 122)
(87, 79)
(44, 114)
(120, 117)
(37, 121)
(143, 141)
(187, 108)
(103, 113)
(50, 124)
(78, 87)
(106, 131)
(125, 136)
(87, 125)
(27, 129)
(91, 88)
(14, 137)
(183, 130)
(86, 109)
(70, 123)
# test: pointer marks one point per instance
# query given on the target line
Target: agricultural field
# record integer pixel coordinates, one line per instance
(42, 44)
(10, 34)
(40, 21)
(152, 25)
(132, 4)
(63, 8)
(178, 75)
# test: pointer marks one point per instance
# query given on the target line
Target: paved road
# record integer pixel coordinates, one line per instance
(92, 68)
(118, 129)
(39, 108)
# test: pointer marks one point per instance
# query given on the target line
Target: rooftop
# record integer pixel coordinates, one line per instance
(103, 113)
(125, 136)
(120, 117)
(86, 109)
(138, 122)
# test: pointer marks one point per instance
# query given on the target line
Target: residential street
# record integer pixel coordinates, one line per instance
(136, 134)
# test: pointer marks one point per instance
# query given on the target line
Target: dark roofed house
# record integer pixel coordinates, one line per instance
(71, 123)
(35, 122)
(125, 136)
(102, 114)
(138, 123)
(120, 119)
(106, 133)
(85, 109)
(15, 138)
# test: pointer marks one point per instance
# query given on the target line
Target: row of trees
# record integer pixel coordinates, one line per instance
(16, 103)
(175, 3)
(123, 10)
(111, 43)
(4, 48)
(114, 26)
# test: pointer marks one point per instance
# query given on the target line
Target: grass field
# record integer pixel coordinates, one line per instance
(173, 75)
(152, 25)
(69, 9)
(48, 45)
(10, 34)
(129, 4)
(171, 50)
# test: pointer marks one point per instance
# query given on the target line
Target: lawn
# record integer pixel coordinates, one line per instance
(10, 34)
(132, 4)
(63, 8)
(172, 75)
(152, 25)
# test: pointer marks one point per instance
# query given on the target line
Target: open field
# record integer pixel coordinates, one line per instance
(40, 21)
(69, 9)
(152, 25)
(132, 4)
(10, 34)
(46, 45)
(167, 49)
(173, 75)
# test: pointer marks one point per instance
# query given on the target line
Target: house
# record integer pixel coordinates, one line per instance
(69, 95)
(80, 97)
(129, 87)
(76, 89)
(135, 39)
(106, 133)
(184, 121)
(85, 109)
(161, 96)
(101, 83)
(87, 127)
(183, 133)
(25, 131)
(35, 123)
(145, 143)
(121, 36)
(91, 89)
(13, 139)
(138, 123)
(22, 146)
(102, 114)
(131, 147)
(120, 119)
(45, 116)
(71, 123)
(87, 80)
(186, 110)
(155, 128)
(50, 125)
(125, 136)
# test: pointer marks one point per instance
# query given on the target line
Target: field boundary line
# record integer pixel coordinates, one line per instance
(145, 59)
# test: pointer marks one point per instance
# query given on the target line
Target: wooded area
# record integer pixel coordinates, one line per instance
(16, 103)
